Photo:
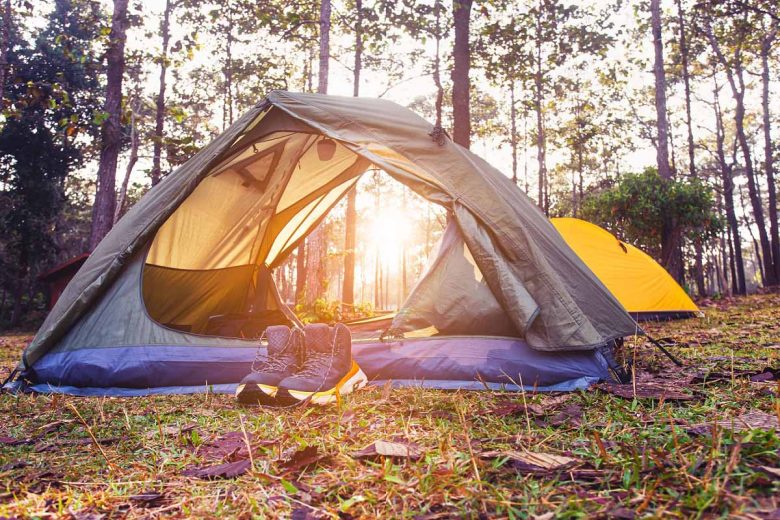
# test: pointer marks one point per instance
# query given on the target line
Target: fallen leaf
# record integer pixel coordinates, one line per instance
(621, 513)
(86, 515)
(53, 426)
(83, 441)
(171, 430)
(572, 413)
(17, 464)
(645, 391)
(226, 470)
(532, 462)
(768, 374)
(302, 459)
(755, 420)
(147, 498)
(510, 408)
(772, 472)
(229, 447)
(43, 480)
(12, 441)
(553, 401)
(382, 448)
(307, 513)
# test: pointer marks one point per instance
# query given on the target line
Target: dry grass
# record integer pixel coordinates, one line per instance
(625, 458)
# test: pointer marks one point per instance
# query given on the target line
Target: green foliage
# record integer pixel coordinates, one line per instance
(325, 311)
(634, 208)
(51, 100)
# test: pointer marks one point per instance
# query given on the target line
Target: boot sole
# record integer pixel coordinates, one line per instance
(253, 393)
(355, 379)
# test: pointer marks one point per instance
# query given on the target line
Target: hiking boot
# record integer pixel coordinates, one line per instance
(328, 369)
(282, 360)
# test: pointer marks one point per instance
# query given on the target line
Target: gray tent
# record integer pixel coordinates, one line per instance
(148, 310)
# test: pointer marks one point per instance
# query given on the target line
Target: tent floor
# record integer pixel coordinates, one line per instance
(447, 362)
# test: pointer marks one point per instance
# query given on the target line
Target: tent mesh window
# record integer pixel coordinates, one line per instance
(209, 264)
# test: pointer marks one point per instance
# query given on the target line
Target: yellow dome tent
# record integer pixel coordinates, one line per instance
(644, 288)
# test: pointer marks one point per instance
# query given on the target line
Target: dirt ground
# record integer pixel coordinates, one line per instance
(700, 441)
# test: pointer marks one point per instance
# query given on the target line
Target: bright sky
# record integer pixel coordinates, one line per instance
(418, 83)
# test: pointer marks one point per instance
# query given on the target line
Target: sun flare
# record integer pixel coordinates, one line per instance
(390, 229)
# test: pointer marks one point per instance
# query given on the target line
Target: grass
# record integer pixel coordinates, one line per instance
(632, 457)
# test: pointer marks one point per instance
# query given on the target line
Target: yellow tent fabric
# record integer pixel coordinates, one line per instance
(633, 277)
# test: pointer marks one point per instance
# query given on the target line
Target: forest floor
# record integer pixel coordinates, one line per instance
(701, 441)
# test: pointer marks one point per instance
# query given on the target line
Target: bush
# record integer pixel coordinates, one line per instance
(634, 207)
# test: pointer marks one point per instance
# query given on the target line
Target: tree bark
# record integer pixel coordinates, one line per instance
(698, 274)
(461, 83)
(670, 235)
(300, 272)
(350, 224)
(766, 49)
(541, 150)
(684, 57)
(159, 116)
(229, 68)
(316, 241)
(437, 65)
(6, 35)
(111, 132)
(300, 257)
(735, 76)
(132, 160)
(728, 200)
(662, 125)
(513, 135)
(325, 8)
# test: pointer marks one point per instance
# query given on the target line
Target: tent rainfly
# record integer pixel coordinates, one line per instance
(646, 290)
(171, 299)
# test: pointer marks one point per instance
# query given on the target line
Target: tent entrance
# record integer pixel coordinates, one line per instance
(209, 268)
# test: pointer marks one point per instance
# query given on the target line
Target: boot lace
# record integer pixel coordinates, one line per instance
(315, 361)
(265, 363)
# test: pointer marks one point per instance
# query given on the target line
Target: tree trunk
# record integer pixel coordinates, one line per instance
(350, 224)
(748, 226)
(461, 83)
(513, 135)
(316, 241)
(698, 274)
(300, 256)
(132, 160)
(541, 150)
(735, 76)
(159, 117)
(684, 52)
(766, 48)
(437, 65)
(728, 199)
(111, 132)
(300, 272)
(6, 35)
(229, 67)
(670, 235)
(322, 86)
(662, 125)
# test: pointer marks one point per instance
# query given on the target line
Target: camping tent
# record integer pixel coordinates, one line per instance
(644, 288)
(154, 309)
